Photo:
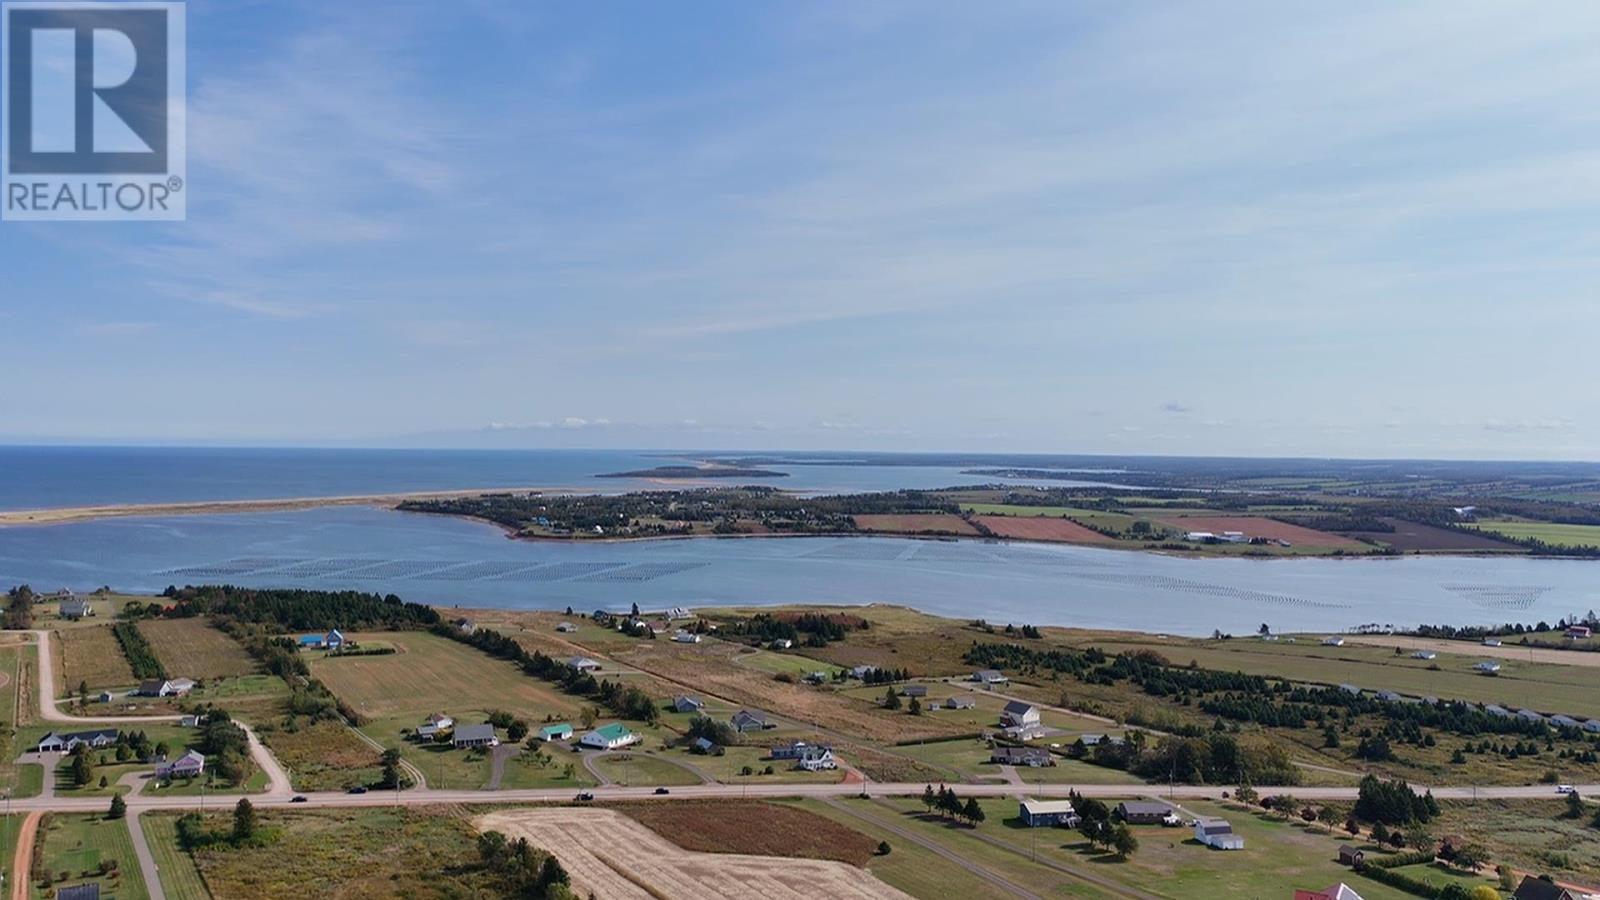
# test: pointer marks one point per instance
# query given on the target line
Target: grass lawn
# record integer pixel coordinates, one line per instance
(9, 827)
(778, 663)
(89, 654)
(191, 648)
(643, 769)
(364, 854)
(323, 756)
(1549, 532)
(180, 878)
(969, 758)
(75, 845)
(564, 769)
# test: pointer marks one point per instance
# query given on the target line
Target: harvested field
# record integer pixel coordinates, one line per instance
(90, 655)
(916, 523)
(1040, 528)
(1259, 526)
(752, 828)
(615, 857)
(1409, 536)
(193, 649)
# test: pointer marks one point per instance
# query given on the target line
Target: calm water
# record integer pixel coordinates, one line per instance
(42, 477)
(452, 561)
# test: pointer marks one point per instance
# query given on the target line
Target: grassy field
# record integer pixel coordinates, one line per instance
(89, 654)
(916, 523)
(180, 878)
(193, 649)
(324, 756)
(1532, 835)
(642, 769)
(74, 846)
(1549, 532)
(363, 854)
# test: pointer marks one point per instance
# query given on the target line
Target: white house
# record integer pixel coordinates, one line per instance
(475, 736)
(157, 687)
(58, 742)
(989, 676)
(1199, 536)
(73, 608)
(1491, 642)
(1217, 833)
(1424, 654)
(609, 737)
(1017, 714)
(333, 640)
(188, 765)
(583, 664)
(816, 759)
(440, 720)
(782, 644)
(1334, 641)
(686, 637)
(1488, 667)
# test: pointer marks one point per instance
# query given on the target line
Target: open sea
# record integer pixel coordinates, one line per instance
(457, 562)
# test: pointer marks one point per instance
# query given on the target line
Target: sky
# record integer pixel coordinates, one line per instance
(1353, 229)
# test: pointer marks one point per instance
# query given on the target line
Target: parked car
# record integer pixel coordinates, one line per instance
(298, 798)
(662, 790)
(1564, 789)
(585, 795)
(358, 789)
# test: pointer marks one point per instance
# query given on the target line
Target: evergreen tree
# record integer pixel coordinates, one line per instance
(244, 821)
(119, 807)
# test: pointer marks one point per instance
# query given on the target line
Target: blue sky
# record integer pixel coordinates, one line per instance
(1356, 229)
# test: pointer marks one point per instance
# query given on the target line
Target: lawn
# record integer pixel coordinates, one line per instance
(364, 854)
(323, 756)
(75, 846)
(193, 649)
(90, 654)
(969, 758)
(1550, 532)
(180, 878)
(775, 663)
(642, 769)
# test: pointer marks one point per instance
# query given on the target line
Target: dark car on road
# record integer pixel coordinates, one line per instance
(358, 789)
(298, 798)
(585, 796)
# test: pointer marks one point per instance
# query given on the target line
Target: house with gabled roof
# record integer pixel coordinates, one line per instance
(686, 704)
(561, 731)
(1217, 834)
(610, 737)
(189, 765)
(749, 720)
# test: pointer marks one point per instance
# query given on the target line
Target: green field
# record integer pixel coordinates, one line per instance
(642, 769)
(179, 876)
(1008, 509)
(1549, 532)
(75, 845)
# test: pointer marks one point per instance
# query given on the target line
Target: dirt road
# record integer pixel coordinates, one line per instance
(22, 860)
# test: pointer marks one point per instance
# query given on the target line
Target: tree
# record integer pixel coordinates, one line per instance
(119, 807)
(1468, 857)
(914, 707)
(244, 821)
(1452, 892)
(929, 799)
(883, 848)
(1574, 805)
(82, 771)
(1123, 841)
(1483, 892)
(891, 700)
(972, 812)
(391, 769)
(1246, 794)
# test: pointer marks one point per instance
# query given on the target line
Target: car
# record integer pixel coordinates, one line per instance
(298, 798)
(585, 795)
(662, 790)
(1565, 789)
(358, 789)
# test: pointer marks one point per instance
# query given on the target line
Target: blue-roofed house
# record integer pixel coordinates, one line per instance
(333, 640)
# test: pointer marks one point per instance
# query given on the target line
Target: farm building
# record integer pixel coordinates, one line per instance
(1032, 757)
(990, 676)
(90, 891)
(686, 704)
(1095, 740)
(1576, 632)
(1218, 834)
(1528, 715)
(1488, 667)
(1561, 721)
(1491, 642)
(1389, 696)
(558, 732)
(1351, 856)
(1592, 726)
(610, 737)
(782, 644)
(189, 765)
(748, 720)
(475, 736)
(1047, 813)
(686, 637)
(75, 608)
(1334, 641)
(566, 628)
(1143, 812)
(860, 673)
(466, 626)
(583, 664)
(915, 690)
(703, 745)
(1494, 709)
(106, 697)
(961, 701)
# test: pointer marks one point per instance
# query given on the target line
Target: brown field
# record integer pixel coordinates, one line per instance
(1043, 528)
(916, 523)
(753, 828)
(193, 649)
(612, 856)
(1410, 536)
(1258, 526)
(325, 756)
(92, 655)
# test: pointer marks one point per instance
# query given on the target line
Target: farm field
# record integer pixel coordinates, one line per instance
(77, 844)
(89, 654)
(1532, 835)
(1550, 532)
(1411, 537)
(915, 523)
(1039, 528)
(752, 827)
(366, 854)
(323, 756)
(193, 649)
(577, 836)
(1017, 509)
(1507, 650)
(1259, 526)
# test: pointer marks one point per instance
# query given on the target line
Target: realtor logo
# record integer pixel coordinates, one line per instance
(94, 111)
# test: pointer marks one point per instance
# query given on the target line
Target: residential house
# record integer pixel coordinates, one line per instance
(815, 678)
(1533, 888)
(1488, 667)
(1142, 812)
(1094, 740)
(990, 676)
(466, 626)
(961, 701)
(685, 704)
(66, 742)
(686, 637)
(1032, 757)
(440, 720)
(1424, 654)
(816, 759)
(1576, 632)
(1334, 641)
(1217, 834)
(566, 628)
(860, 673)
(75, 609)
(679, 612)
(1048, 813)
(782, 644)
(1350, 689)
(915, 690)
(1021, 720)
(560, 731)
(475, 736)
(1352, 856)
(749, 720)
(106, 697)
(703, 745)
(1340, 891)
(189, 765)
(158, 687)
(610, 737)
(793, 750)
(90, 891)
(583, 664)
(333, 640)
